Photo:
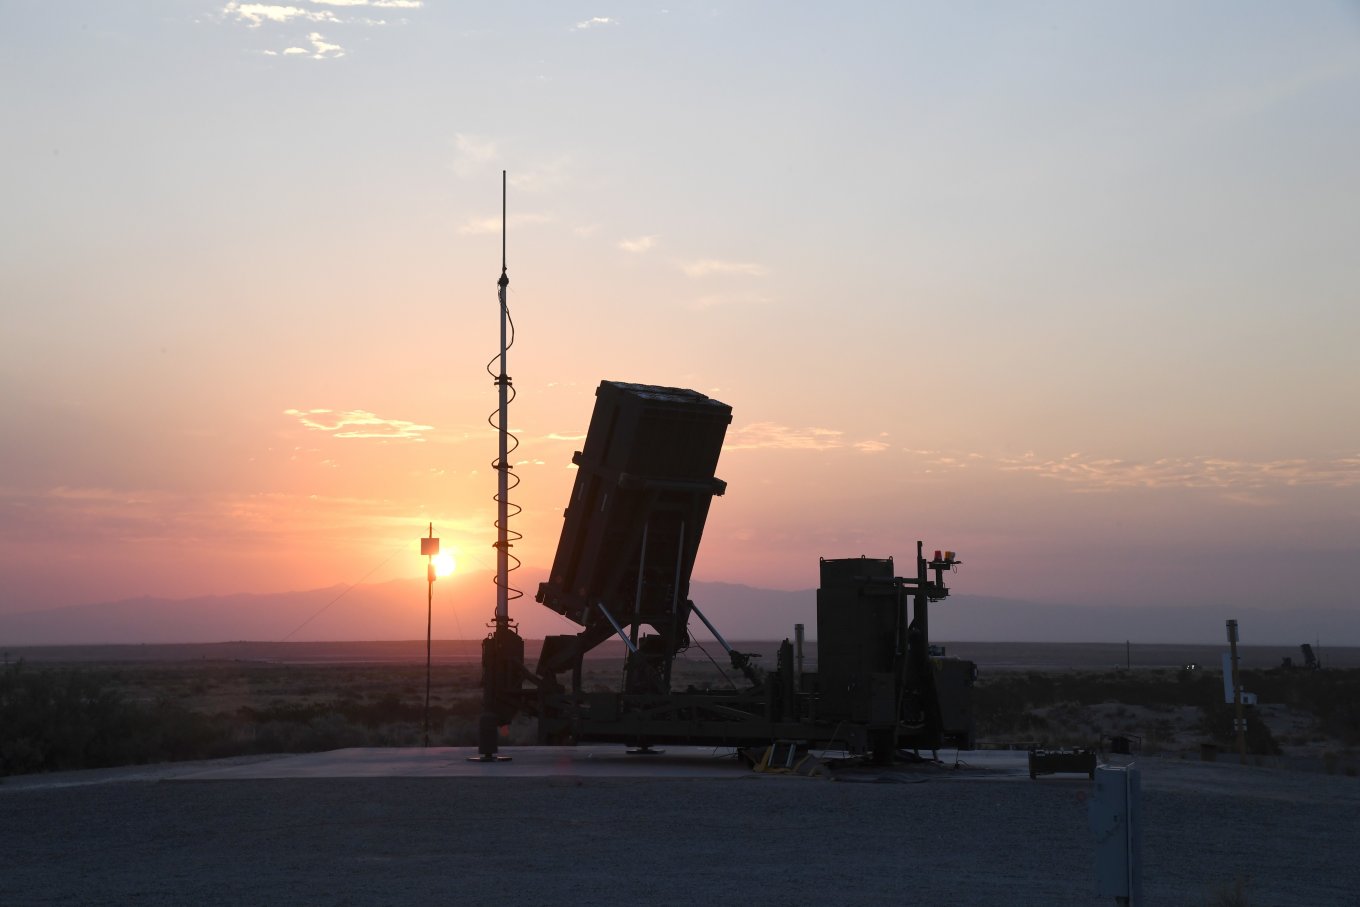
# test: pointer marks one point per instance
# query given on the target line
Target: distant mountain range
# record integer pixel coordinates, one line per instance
(463, 605)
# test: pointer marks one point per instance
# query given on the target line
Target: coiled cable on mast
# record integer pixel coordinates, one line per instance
(512, 444)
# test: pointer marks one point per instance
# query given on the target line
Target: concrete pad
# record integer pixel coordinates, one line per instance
(948, 835)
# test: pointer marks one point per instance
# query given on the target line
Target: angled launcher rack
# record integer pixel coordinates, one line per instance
(631, 532)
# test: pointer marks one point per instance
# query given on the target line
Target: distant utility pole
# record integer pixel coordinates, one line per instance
(1239, 720)
(429, 546)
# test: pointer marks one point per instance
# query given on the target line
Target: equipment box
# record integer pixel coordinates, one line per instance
(1051, 762)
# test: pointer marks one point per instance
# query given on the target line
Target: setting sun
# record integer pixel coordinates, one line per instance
(443, 563)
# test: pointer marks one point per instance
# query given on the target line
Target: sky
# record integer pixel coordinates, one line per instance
(1070, 288)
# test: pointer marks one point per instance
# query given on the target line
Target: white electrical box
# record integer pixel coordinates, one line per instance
(1114, 818)
(1247, 698)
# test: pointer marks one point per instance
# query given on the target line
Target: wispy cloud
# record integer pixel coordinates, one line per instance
(138, 516)
(376, 4)
(121, 497)
(714, 300)
(479, 226)
(709, 266)
(938, 460)
(773, 436)
(329, 12)
(641, 244)
(257, 14)
(359, 423)
(541, 176)
(596, 22)
(323, 49)
(1109, 473)
(471, 153)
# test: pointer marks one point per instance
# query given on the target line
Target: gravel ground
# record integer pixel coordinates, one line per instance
(131, 836)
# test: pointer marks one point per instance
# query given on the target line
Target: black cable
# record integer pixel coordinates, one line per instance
(716, 665)
(341, 595)
(454, 611)
(512, 478)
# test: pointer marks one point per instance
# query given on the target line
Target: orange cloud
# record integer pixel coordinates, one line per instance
(359, 423)
(640, 244)
(773, 436)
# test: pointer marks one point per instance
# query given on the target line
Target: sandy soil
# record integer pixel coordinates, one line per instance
(128, 835)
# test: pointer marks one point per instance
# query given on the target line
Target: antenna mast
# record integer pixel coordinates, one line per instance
(503, 466)
(503, 650)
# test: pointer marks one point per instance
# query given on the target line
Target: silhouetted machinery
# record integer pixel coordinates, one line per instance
(1310, 659)
(644, 484)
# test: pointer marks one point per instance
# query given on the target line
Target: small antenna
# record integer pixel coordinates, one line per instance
(505, 279)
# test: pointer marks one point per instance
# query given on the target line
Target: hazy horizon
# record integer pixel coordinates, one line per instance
(396, 610)
(1069, 289)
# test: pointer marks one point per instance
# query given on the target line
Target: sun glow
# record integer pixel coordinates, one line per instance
(443, 563)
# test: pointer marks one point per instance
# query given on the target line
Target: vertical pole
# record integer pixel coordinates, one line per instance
(1239, 720)
(919, 612)
(429, 625)
(503, 472)
(798, 655)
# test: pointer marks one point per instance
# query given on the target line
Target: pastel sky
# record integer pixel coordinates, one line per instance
(1072, 288)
